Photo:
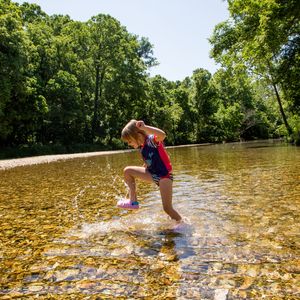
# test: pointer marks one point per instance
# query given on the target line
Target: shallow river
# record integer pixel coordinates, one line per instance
(63, 238)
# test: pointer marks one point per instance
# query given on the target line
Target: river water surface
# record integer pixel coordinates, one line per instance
(63, 238)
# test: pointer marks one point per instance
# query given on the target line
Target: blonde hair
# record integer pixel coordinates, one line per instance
(131, 131)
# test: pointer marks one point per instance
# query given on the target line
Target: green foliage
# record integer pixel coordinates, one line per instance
(235, 87)
(65, 116)
(68, 86)
(21, 104)
(229, 122)
(145, 51)
(202, 99)
(295, 124)
(263, 36)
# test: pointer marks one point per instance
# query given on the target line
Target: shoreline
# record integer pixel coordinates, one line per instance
(6, 164)
(42, 159)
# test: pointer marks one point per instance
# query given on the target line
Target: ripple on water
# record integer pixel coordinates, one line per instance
(66, 238)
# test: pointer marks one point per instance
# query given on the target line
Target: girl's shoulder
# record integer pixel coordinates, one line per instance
(151, 140)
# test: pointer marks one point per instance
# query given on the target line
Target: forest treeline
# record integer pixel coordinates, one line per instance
(67, 85)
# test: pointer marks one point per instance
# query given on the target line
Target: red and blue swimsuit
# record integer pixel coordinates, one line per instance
(156, 158)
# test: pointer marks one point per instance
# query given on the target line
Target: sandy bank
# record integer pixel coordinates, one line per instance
(17, 162)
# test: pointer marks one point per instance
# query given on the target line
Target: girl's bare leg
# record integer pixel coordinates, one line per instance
(166, 189)
(130, 173)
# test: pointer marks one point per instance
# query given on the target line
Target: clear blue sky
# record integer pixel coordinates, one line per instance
(178, 29)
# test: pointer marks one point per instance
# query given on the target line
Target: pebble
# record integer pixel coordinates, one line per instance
(35, 288)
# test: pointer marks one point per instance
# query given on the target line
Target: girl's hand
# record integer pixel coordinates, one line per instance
(140, 124)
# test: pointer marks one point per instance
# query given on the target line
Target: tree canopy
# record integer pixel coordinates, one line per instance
(65, 82)
(262, 37)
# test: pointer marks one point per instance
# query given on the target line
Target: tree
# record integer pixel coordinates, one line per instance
(237, 91)
(21, 105)
(185, 125)
(65, 115)
(145, 52)
(256, 36)
(202, 99)
(118, 62)
(106, 52)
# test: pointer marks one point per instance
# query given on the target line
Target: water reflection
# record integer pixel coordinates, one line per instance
(61, 235)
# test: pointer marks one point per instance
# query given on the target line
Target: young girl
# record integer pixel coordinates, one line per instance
(157, 166)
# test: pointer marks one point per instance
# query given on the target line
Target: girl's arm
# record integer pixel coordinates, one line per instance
(160, 134)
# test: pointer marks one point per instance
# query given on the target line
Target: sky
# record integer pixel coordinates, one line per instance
(177, 29)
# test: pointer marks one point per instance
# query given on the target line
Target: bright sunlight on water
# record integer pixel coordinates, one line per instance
(63, 238)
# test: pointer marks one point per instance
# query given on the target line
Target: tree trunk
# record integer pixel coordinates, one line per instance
(101, 79)
(287, 126)
(95, 122)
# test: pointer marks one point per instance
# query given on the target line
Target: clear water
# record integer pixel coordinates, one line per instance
(62, 236)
